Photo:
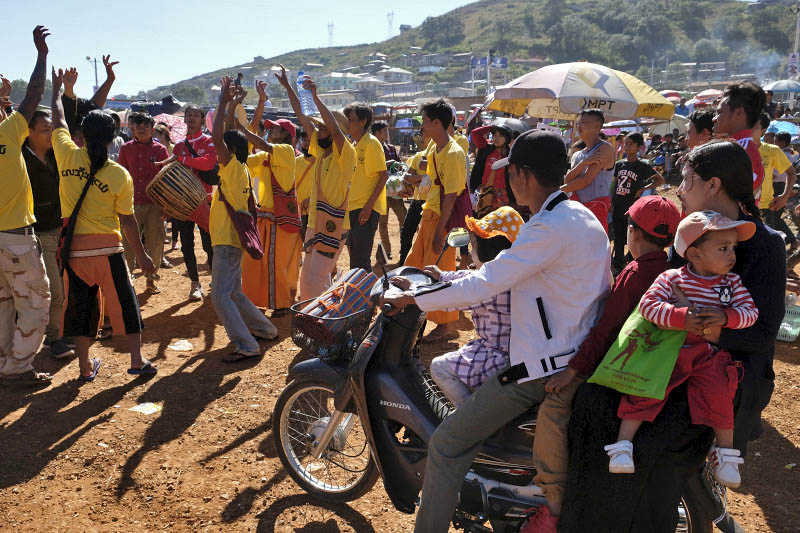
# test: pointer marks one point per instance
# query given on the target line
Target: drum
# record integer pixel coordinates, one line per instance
(177, 191)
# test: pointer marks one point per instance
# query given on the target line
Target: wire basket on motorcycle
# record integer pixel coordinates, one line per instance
(333, 324)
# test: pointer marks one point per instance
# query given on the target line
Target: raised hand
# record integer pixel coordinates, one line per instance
(58, 79)
(40, 34)
(70, 77)
(239, 95)
(310, 84)
(225, 94)
(282, 79)
(109, 66)
(261, 89)
(5, 88)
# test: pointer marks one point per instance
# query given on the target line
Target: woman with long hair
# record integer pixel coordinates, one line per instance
(717, 176)
(96, 263)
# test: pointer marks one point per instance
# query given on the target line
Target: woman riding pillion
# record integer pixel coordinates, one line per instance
(558, 273)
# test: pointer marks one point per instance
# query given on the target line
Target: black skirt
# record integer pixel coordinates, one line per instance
(666, 453)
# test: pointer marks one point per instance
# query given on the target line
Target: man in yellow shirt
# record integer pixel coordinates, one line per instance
(303, 167)
(775, 162)
(447, 168)
(242, 320)
(24, 290)
(334, 162)
(367, 200)
(414, 214)
(268, 281)
(96, 263)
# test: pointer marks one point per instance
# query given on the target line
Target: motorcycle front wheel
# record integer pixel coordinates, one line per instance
(345, 471)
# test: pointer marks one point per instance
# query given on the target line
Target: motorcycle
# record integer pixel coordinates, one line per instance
(364, 407)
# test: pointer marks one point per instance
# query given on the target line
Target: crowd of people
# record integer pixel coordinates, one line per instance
(77, 222)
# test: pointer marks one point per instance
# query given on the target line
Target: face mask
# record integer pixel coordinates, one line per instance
(325, 143)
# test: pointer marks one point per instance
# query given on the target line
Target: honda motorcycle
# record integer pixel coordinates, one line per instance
(364, 407)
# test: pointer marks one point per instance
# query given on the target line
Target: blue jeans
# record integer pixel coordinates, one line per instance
(240, 318)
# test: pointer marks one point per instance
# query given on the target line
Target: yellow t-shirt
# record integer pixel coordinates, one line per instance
(462, 141)
(281, 161)
(449, 164)
(16, 201)
(335, 171)
(370, 163)
(773, 158)
(111, 194)
(303, 170)
(235, 184)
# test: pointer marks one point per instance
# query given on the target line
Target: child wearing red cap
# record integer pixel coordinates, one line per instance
(696, 298)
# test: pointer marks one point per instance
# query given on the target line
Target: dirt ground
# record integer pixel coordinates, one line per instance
(75, 458)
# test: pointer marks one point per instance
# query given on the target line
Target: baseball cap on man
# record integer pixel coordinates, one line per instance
(699, 223)
(656, 215)
(282, 123)
(535, 149)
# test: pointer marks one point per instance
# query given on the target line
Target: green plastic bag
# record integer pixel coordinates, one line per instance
(641, 360)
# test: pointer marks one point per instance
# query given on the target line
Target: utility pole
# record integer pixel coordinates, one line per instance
(796, 11)
(96, 82)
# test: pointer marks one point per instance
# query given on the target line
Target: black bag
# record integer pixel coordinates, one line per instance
(68, 229)
(209, 176)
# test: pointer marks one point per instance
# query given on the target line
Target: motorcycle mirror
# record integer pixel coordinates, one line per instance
(458, 237)
(382, 259)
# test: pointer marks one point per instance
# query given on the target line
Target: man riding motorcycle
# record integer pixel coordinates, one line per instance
(558, 273)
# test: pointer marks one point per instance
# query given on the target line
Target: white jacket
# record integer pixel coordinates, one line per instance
(559, 273)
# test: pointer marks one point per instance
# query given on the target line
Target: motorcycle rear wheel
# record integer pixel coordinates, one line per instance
(339, 475)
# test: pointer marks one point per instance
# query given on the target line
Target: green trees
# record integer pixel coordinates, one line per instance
(445, 30)
(190, 94)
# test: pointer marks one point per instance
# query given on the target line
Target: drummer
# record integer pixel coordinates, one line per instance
(139, 157)
(201, 158)
(267, 281)
(335, 160)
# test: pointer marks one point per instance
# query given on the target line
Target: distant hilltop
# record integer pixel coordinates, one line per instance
(675, 44)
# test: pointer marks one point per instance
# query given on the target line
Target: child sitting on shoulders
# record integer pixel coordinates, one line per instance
(697, 297)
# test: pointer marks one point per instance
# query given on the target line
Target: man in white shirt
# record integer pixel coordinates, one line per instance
(558, 271)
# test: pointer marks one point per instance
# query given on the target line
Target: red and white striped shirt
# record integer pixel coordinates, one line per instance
(723, 292)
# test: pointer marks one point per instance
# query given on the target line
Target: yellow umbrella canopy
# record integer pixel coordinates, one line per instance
(561, 91)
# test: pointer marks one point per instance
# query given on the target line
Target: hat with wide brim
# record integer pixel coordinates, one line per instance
(505, 221)
(338, 115)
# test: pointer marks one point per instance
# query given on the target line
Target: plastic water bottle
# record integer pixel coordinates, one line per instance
(306, 100)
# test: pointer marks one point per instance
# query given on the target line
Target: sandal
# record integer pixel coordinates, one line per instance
(103, 334)
(277, 313)
(236, 356)
(146, 368)
(96, 364)
(28, 379)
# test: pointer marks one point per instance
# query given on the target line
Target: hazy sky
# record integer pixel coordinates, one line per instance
(165, 41)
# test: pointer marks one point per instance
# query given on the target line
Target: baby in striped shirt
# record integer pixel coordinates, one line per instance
(696, 298)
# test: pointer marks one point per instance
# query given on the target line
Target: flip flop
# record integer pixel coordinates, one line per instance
(236, 356)
(261, 338)
(279, 312)
(96, 364)
(28, 379)
(147, 368)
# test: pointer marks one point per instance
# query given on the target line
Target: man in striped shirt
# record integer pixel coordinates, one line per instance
(702, 294)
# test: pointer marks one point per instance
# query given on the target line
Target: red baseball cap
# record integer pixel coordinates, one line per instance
(282, 123)
(656, 215)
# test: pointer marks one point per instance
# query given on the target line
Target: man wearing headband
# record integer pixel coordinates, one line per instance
(558, 273)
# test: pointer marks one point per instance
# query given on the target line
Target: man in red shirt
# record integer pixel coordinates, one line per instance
(652, 223)
(203, 159)
(139, 157)
(737, 113)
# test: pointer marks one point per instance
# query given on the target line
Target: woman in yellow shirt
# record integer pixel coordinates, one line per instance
(242, 320)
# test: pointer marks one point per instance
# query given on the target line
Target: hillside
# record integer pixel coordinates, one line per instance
(642, 37)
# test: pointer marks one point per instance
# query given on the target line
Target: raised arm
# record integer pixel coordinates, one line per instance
(261, 89)
(308, 126)
(57, 108)
(218, 128)
(100, 97)
(33, 94)
(254, 139)
(327, 116)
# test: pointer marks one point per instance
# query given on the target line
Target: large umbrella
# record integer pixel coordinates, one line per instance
(779, 126)
(709, 94)
(662, 128)
(561, 91)
(666, 93)
(783, 86)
